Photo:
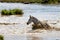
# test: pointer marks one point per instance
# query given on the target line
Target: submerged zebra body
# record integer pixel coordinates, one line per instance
(37, 24)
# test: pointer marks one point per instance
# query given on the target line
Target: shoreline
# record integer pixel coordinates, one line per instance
(35, 4)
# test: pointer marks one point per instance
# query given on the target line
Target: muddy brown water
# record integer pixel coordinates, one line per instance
(22, 31)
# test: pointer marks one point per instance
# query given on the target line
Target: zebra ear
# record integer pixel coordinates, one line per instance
(30, 16)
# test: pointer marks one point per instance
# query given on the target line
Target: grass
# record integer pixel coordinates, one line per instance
(34, 1)
(1, 37)
(12, 12)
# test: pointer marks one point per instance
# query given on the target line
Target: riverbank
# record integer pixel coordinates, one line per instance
(34, 1)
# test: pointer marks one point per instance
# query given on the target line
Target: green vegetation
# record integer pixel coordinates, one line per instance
(1, 37)
(34, 1)
(12, 12)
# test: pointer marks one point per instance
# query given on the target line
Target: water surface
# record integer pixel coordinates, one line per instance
(41, 12)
